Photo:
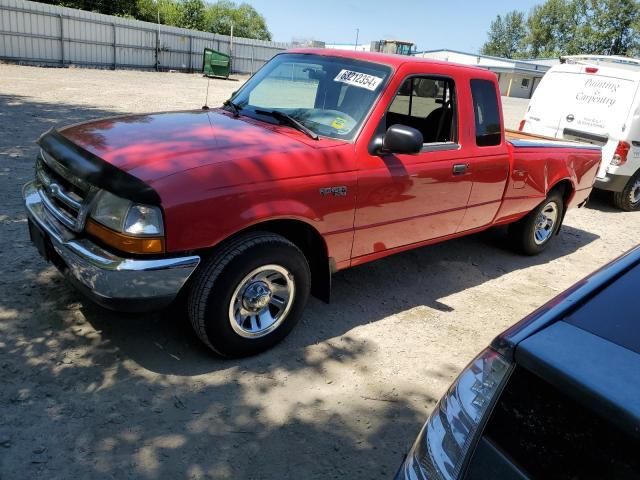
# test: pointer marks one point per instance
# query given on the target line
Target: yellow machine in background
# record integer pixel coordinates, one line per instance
(392, 46)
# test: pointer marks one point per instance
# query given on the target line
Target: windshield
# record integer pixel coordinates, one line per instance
(330, 96)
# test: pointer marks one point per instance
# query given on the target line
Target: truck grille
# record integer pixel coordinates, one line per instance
(67, 197)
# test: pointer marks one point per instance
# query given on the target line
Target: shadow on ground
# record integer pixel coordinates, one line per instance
(91, 393)
(602, 201)
(360, 296)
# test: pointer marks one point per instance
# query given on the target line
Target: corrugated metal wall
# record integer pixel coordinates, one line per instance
(45, 34)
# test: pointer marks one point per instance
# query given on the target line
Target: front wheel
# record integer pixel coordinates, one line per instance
(250, 295)
(629, 198)
(532, 234)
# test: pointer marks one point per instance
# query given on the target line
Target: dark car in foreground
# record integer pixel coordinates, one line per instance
(556, 396)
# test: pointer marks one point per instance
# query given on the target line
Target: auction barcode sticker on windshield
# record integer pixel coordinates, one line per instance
(358, 79)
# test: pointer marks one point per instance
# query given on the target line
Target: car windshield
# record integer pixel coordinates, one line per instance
(331, 96)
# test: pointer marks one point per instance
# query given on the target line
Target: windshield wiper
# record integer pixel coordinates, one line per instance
(235, 108)
(289, 120)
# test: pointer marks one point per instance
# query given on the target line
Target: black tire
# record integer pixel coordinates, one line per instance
(216, 281)
(523, 232)
(629, 198)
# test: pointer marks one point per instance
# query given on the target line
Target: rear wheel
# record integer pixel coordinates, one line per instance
(534, 232)
(629, 198)
(250, 295)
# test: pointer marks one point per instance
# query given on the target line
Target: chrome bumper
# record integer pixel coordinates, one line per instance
(112, 281)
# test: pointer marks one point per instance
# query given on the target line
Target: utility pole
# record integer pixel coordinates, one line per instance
(158, 41)
(231, 50)
(357, 34)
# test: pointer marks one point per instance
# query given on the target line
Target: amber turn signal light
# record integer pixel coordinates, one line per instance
(125, 243)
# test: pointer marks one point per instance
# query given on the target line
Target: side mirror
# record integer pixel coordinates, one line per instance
(402, 139)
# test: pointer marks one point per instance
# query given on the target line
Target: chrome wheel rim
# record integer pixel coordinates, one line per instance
(635, 192)
(545, 223)
(261, 301)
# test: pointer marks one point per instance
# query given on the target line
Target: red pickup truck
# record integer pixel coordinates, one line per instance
(321, 161)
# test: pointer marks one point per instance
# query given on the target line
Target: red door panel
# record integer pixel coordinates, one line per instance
(404, 199)
(489, 175)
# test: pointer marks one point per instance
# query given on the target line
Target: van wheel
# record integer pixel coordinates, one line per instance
(250, 295)
(534, 232)
(629, 198)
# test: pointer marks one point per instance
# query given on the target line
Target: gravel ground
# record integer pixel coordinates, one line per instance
(87, 393)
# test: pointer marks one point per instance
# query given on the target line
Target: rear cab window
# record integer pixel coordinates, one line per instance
(486, 113)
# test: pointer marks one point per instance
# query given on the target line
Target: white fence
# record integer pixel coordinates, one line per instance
(37, 33)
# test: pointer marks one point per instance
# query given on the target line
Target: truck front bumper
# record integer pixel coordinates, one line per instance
(118, 283)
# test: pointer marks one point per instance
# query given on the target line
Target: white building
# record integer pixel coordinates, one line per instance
(517, 78)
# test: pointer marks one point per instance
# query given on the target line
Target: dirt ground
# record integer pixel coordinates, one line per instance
(87, 393)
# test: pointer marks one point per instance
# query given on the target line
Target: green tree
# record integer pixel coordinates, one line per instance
(246, 21)
(506, 36)
(570, 27)
(170, 11)
(193, 14)
(610, 26)
(109, 7)
(552, 29)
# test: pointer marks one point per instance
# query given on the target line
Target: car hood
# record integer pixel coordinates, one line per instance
(153, 146)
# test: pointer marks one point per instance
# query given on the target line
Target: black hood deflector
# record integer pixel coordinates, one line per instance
(95, 170)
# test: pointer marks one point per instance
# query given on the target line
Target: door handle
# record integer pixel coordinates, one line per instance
(460, 168)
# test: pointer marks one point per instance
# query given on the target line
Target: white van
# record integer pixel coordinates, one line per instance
(595, 99)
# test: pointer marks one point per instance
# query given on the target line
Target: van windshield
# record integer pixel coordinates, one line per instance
(331, 96)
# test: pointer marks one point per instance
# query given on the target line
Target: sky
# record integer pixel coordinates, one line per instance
(457, 25)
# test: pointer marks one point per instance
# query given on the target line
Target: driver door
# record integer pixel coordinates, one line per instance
(407, 199)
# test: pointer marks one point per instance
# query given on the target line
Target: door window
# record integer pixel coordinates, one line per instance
(428, 105)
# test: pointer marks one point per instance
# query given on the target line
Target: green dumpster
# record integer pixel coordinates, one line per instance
(216, 64)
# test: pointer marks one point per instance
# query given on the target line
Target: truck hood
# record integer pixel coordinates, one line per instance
(154, 146)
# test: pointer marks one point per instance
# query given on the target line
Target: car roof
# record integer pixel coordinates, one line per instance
(578, 297)
(392, 60)
(613, 313)
(586, 342)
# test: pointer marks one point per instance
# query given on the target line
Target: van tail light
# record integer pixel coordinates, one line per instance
(442, 447)
(591, 70)
(521, 126)
(620, 155)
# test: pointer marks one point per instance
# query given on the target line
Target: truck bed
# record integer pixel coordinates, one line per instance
(523, 139)
(539, 163)
(532, 137)
(518, 135)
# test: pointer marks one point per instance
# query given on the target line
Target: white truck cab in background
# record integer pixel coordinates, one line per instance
(595, 99)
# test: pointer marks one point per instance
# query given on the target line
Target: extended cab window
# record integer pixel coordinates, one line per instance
(487, 114)
(428, 105)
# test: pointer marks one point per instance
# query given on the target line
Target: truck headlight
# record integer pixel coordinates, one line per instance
(442, 446)
(127, 226)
